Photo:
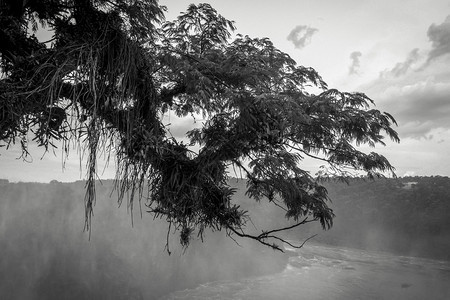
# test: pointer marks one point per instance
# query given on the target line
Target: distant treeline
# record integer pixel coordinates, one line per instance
(409, 215)
(406, 216)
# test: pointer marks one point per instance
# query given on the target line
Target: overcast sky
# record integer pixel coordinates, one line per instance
(397, 52)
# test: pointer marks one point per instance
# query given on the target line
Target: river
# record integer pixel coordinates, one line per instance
(325, 272)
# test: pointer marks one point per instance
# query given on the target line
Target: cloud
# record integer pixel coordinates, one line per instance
(418, 106)
(402, 68)
(354, 67)
(179, 126)
(416, 91)
(301, 35)
(417, 97)
(409, 174)
(439, 35)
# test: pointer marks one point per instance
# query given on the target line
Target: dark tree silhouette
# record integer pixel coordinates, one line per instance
(113, 68)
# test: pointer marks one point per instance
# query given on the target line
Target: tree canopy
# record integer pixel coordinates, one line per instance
(114, 68)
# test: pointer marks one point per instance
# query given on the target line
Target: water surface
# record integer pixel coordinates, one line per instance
(324, 272)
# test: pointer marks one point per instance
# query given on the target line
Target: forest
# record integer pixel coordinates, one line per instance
(46, 253)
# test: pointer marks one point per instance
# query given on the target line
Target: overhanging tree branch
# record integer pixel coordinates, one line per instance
(266, 235)
(114, 71)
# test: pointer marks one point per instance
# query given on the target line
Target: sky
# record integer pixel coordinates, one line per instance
(396, 52)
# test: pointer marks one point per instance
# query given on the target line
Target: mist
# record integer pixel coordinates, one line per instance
(46, 254)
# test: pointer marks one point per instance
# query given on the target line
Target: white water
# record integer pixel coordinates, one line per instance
(323, 272)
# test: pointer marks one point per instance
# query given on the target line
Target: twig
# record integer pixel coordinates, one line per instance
(263, 237)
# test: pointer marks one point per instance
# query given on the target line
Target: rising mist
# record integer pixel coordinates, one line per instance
(47, 255)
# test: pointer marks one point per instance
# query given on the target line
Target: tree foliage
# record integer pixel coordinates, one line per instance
(114, 68)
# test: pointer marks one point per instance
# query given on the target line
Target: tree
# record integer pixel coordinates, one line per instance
(114, 67)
